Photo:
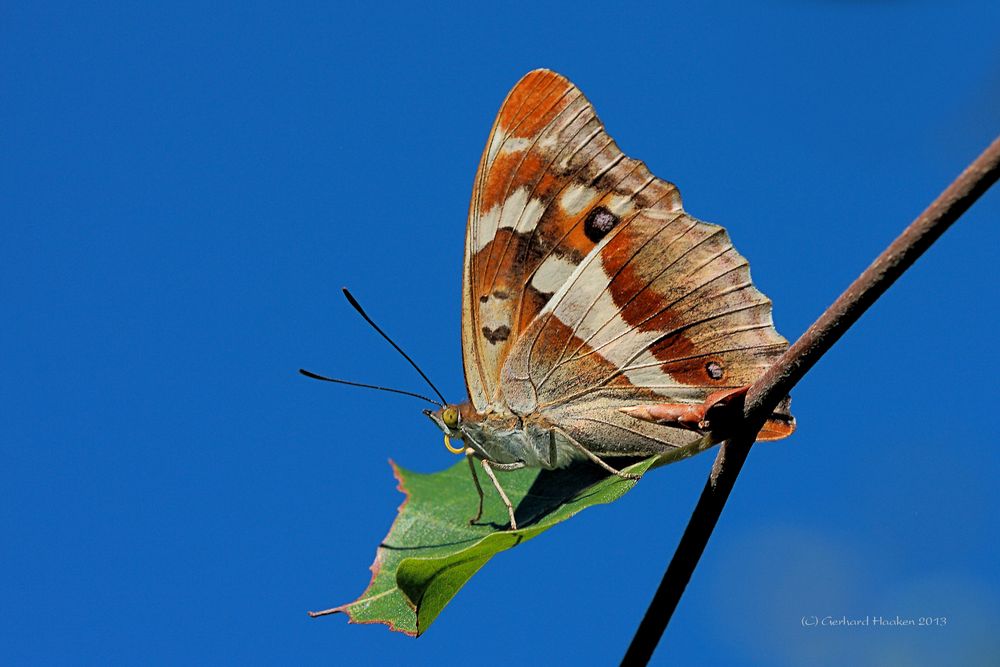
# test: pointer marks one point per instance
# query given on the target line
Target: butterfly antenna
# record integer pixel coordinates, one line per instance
(361, 311)
(315, 376)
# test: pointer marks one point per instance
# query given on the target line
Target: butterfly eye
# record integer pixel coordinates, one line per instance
(450, 417)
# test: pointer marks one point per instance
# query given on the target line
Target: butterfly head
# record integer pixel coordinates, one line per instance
(448, 418)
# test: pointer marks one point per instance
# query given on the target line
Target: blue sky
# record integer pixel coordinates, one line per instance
(185, 189)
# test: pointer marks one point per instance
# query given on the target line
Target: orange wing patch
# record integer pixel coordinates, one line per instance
(533, 102)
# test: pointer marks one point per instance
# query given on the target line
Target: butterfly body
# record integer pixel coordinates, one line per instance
(599, 318)
(505, 438)
(536, 441)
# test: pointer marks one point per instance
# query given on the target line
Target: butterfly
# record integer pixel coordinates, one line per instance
(599, 319)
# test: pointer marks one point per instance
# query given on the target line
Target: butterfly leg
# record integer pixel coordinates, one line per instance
(488, 467)
(553, 456)
(589, 454)
(479, 488)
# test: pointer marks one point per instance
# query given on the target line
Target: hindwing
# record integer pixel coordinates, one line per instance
(662, 311)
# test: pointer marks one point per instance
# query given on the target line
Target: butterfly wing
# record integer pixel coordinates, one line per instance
(551, 184)
(661, 311)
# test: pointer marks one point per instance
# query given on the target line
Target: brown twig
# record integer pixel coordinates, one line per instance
(779, 379)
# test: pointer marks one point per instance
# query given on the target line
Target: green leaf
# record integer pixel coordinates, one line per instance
(431, 550)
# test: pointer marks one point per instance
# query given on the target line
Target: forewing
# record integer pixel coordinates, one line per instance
(551, 184)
